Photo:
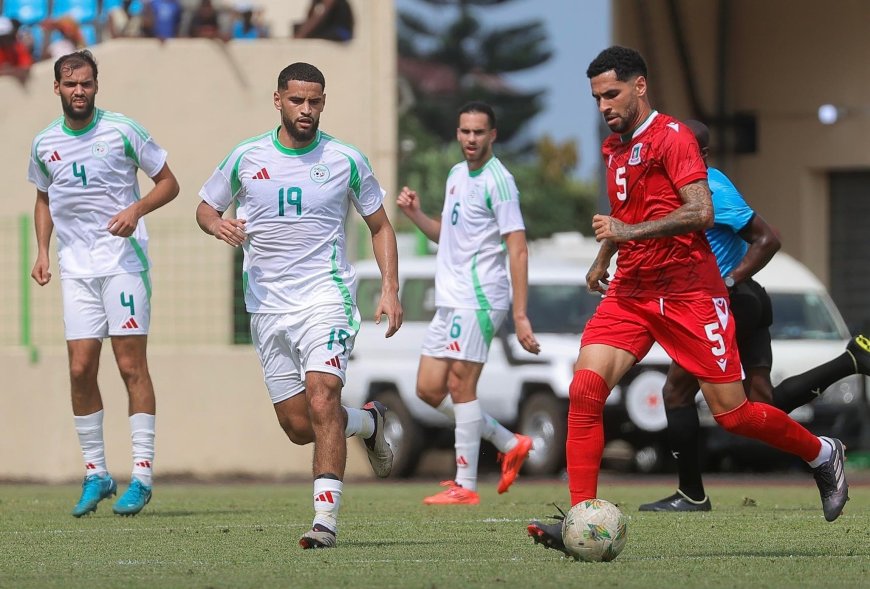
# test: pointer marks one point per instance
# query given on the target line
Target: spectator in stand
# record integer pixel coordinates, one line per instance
(161, 18)
(15, 58)
(121, 22)
(204, 22)
(70, 41)
(327, 19)
(248, 22)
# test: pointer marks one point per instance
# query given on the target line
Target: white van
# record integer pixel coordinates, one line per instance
(528, 393)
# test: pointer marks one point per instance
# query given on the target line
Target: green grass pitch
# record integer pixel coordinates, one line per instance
(759, 535)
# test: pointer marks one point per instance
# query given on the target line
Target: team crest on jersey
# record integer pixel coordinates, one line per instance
(635, 154)
(100, 149)
(319, 173)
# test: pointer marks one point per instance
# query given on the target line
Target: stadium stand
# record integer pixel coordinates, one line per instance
(29, 12)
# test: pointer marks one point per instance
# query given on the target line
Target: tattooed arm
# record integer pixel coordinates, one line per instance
(598, 278)
(695, 214)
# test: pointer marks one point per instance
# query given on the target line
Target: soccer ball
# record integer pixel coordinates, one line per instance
(594, 531)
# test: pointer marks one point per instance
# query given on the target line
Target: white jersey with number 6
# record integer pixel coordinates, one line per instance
(295, 202)
(90, 176)
(480, 207)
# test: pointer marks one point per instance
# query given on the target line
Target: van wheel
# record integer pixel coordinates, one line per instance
(544, 419)
(403, 433)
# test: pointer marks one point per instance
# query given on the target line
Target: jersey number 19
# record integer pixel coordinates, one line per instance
(290, 197)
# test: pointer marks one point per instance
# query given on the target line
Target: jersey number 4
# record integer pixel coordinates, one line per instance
(79, 172)
(289, 197)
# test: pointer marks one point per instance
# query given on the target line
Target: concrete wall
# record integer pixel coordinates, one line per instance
(214, 418)
(786, 58)
(198, 98)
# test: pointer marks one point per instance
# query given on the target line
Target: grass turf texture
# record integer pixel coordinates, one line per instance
(759, 535)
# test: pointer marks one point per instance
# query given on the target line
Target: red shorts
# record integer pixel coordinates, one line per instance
(698, 334)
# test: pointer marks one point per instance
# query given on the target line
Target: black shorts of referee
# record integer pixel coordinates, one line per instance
(753, 315)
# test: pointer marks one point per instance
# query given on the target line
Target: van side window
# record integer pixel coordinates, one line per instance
(368, 291)
(418, 299)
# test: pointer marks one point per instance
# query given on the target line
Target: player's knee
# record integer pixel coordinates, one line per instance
(429, 396)
(324, 406)
(297, 428)
(83, 372)
(132, 370)
(462, 389)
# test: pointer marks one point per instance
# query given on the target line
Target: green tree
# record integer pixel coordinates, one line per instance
(476, 56)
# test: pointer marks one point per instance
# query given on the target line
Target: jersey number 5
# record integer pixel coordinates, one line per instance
(716, 338)
(293, 198)
(621, 184)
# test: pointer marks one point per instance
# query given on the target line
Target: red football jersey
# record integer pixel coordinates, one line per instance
(644, 174)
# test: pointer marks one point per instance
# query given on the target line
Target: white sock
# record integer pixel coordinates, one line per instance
(359, 423)
(501, 437)
(327, 499)
(824, 453)
(469, 424)
(90, 431)
(142, 435)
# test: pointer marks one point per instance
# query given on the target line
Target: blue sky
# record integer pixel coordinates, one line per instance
(578, 30)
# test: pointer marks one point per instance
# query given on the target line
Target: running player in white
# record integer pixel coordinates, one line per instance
(84, 167)
(293, 186)
(481, 215)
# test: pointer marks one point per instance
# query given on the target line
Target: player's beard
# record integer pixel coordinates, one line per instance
(300, 135)
(80, 114)
(626, 119)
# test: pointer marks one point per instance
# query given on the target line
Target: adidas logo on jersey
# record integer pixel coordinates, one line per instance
(130, 324)
(262, 175)
(55, 157)
(335, 362)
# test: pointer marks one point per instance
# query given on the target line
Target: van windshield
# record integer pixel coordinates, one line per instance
(559, 308)
(798, 315)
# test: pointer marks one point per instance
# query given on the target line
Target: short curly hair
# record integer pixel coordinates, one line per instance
(74, 61)
(301, 72)
(627, 63)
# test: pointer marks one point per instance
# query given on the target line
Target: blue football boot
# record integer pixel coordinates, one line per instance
(132, 502)
(95, 488)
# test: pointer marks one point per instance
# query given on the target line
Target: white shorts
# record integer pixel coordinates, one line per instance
(106, 306)
(462, 334)
(290, 345)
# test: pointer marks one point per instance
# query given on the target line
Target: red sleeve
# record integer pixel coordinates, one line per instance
(681, 156)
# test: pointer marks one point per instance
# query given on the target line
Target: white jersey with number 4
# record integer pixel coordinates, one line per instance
(90, 176)
(294, 202)
(480, 207)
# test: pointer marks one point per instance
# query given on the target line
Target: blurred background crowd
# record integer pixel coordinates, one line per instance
(35, 30)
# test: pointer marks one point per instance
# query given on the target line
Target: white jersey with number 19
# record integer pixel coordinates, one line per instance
(90, 176)
(294, 202)
(480, 207)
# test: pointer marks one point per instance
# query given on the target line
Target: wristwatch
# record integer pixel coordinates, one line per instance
(729, 281)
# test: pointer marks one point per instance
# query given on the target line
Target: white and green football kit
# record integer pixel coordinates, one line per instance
(295, 202)
(90, 176)
(472, 285)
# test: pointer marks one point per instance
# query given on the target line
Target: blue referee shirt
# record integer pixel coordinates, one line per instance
(731, 215)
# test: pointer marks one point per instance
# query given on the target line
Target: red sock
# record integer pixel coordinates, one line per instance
(585, 443)
(771, 426)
